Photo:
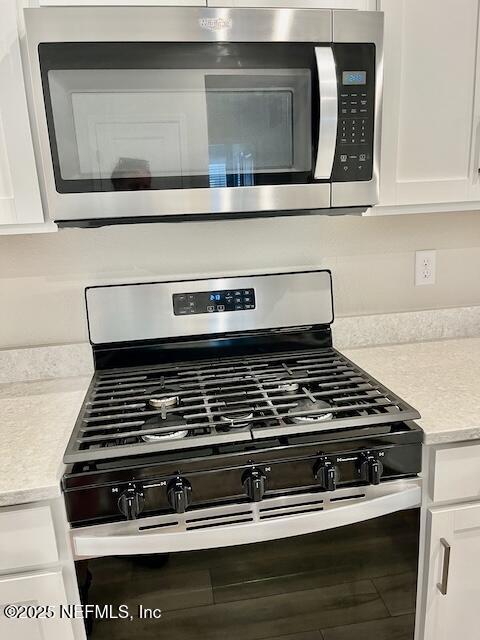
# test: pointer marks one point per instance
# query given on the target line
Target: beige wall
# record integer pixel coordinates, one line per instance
(42, 277)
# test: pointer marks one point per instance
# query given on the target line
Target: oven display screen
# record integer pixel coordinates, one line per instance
(354, 77)
(213, 301)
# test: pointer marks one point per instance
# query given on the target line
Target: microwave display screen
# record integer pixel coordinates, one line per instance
(354, 77)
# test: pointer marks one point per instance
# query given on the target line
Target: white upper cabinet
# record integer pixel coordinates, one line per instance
(296, 4)
(429, 101)
(113, 3)
(453, 590)
(20, 202)
(366, 5)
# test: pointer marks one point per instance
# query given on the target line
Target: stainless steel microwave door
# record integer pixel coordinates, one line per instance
(158, 112)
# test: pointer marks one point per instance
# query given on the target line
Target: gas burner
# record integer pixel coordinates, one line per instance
(160, 403)
(164, 396)
(310, 405)
(235, 415)
(286, 386)
(171, 420)
(236, 420)
(283, 383)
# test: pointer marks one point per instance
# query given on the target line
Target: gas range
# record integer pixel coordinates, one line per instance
(213, 394)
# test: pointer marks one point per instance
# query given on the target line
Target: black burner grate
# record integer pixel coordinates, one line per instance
(229, 400)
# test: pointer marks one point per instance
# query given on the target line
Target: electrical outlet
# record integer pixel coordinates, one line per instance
(425, 263)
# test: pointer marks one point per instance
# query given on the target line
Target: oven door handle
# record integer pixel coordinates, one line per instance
(327, 129)
(238, 524)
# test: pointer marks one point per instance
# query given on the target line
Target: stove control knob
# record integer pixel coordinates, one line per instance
(326, 474)
(371, 469)
(131, 503)
(254, 482)
(179, 491)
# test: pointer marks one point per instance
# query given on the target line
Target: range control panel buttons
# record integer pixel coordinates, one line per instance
(213, 301)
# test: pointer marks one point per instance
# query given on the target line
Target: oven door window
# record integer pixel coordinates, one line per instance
(357, 581)
(179, 116)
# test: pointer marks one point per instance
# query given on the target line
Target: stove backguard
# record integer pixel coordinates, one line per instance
(208, 307)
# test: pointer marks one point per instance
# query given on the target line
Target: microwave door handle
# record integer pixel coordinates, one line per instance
(327, 130)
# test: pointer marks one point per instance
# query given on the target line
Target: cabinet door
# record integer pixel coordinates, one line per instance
(143, 3)
(429, 89)
(365, 5)
(451, 607)
(19, 191)
(33, 589)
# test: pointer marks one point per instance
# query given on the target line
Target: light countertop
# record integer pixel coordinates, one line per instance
(440, 379)
(36, 421)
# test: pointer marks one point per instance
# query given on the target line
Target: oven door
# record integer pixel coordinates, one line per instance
(175, 112)
(305, 567)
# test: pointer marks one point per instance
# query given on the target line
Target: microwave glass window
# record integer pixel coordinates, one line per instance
(242, 120)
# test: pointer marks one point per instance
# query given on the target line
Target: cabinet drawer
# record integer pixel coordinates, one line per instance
(27, 538)
(457, 473)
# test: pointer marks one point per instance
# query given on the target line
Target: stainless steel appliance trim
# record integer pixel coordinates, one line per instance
(182, 202)
(443, 585)
(327, 131)
(144, 311)
(362, 26)
(270, 519)
(175, 24)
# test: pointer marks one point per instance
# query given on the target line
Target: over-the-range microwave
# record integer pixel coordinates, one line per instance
(143, 113)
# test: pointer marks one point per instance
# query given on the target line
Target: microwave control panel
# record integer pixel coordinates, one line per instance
(356, 112)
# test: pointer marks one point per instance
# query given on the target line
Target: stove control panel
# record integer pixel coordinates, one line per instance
(247, 475)
(213, 301)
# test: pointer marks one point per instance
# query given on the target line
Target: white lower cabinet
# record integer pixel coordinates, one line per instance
(452, 606)
(27, 591)
(37, 569)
